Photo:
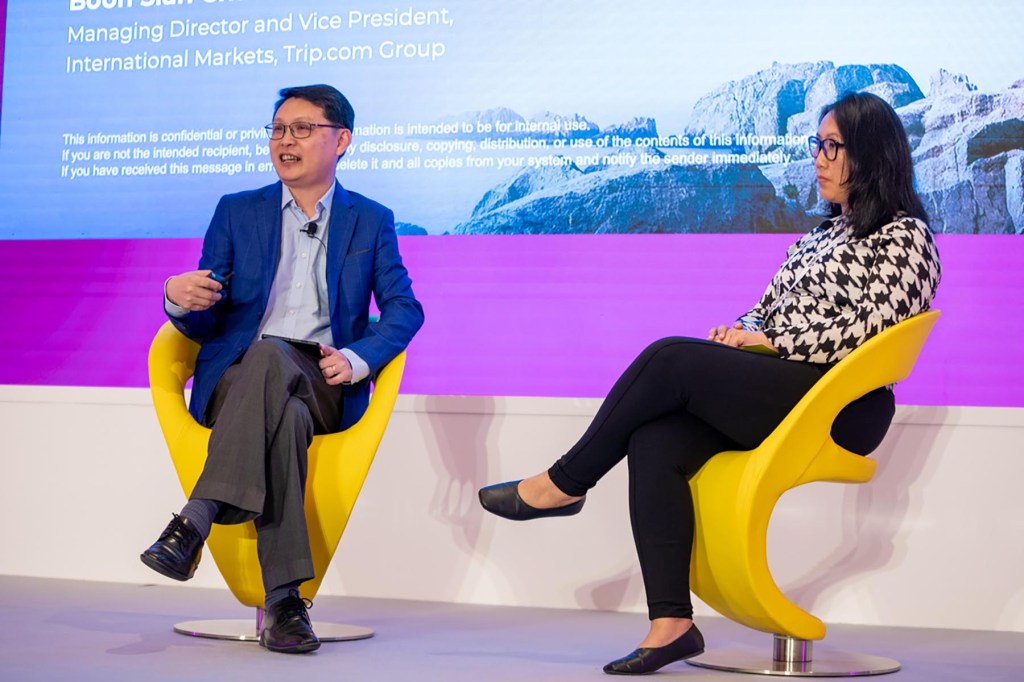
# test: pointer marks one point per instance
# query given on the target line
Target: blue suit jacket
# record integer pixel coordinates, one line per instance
(244, 238)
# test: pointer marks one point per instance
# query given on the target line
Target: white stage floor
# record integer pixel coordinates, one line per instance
(69, 630)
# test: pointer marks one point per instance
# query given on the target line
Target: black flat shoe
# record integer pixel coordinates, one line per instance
(647, 660)
(502, 499)
(286, 628)
(177, 551)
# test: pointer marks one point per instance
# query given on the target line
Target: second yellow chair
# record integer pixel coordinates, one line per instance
(735, 492)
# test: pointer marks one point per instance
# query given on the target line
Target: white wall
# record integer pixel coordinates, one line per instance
(937, 539)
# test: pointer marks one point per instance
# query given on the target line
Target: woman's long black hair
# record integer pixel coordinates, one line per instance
(879, 169)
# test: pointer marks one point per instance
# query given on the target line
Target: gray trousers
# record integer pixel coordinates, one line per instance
(264, 413)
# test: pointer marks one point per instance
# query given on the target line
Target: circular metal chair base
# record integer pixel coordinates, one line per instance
(824, 664)
(244, 630)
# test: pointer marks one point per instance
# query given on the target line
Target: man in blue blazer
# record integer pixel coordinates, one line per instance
(280, 304)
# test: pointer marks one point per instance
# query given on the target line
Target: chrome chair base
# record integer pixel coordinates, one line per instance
(246, 630)
(793, 658)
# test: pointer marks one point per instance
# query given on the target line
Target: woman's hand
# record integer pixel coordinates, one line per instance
(736, 336)
(720, 332)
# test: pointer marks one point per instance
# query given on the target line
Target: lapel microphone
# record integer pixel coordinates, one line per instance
(310, 230)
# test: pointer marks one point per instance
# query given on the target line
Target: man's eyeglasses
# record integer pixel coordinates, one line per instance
(818, 145)
(300, 130)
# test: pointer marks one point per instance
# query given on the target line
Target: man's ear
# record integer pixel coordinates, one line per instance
(344, 140)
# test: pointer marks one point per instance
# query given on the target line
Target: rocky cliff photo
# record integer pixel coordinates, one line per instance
(968, 149)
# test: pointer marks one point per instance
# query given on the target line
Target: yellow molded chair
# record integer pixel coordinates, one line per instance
(735, 492)
(338, 464)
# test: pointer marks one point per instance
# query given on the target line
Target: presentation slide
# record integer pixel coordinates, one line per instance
(571, 180)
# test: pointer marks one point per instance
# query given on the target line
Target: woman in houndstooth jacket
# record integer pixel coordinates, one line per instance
(871, 265)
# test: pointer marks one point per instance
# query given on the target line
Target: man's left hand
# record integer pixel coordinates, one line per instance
(334, 366)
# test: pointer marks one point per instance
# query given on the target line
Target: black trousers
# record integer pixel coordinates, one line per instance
(264, 413)
(678, 404)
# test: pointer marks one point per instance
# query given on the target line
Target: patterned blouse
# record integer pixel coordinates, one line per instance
(834, 292)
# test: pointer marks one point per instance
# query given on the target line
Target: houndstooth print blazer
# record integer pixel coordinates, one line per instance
(835, 292)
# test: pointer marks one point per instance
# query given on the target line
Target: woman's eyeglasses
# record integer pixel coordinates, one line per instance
(818, 145)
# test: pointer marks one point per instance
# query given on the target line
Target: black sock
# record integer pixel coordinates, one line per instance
(201, 514)
(281, 591)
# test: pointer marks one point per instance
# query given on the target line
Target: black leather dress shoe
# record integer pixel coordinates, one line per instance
(649, 659)
(503, 500)
(286, 628)
(177, 551)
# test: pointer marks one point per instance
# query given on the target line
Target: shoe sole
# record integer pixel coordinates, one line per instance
(165, 570)
(301, 649)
